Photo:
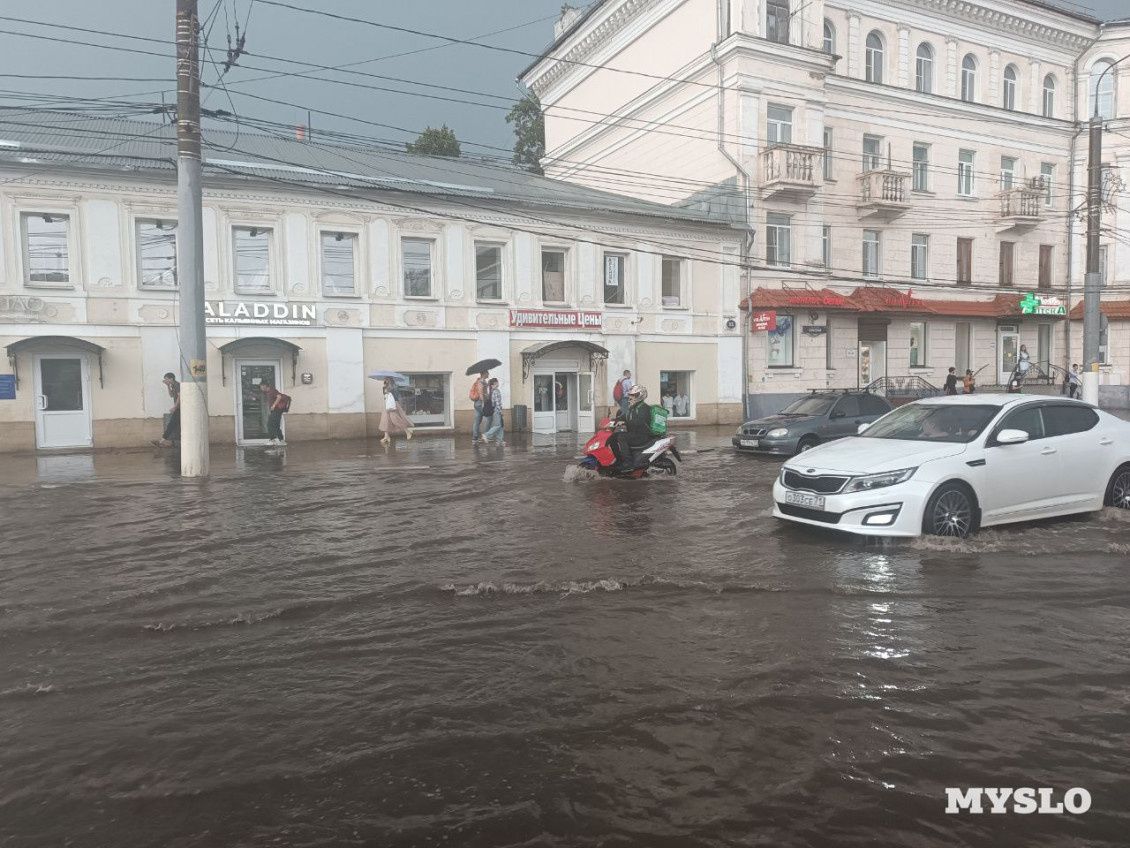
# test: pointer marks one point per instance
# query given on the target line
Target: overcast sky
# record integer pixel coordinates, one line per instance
(280, 34)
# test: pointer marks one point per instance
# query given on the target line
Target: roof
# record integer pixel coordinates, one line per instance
(136, 146)
(879, 299)
(1110, 308)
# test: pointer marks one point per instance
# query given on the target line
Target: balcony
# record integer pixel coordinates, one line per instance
(791, 171)
(1023, 206)
(883, 194)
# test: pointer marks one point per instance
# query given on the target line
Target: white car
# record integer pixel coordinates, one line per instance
(950, 465)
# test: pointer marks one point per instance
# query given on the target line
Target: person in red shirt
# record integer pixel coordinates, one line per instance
(277, 403)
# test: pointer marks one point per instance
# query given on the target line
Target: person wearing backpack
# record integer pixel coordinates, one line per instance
(636, 433)
(478, 394)
(277, 405)
(492, 406)
(620, 391)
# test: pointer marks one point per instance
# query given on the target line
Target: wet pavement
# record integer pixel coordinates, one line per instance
(335, 645)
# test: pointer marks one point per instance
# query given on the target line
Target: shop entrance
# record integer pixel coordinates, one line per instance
(563, 401)
(872, 350)
(62, 402)
(251, 408)
(1008, 344)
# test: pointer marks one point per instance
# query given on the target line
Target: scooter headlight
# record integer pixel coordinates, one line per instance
(879, 481)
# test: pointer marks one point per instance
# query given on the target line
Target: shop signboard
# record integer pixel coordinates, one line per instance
(817, 299)
(814, 329)
(7, 386)
(563, 319)
(1036, 304)
(261, 314)
(764, 321)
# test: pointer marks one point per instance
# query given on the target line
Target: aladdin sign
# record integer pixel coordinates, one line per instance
(1034, 304)
(568, 319)
(265, 314)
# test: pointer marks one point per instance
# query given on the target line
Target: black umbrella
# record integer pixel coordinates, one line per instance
(483, 365)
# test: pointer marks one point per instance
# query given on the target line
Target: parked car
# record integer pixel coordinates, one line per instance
(950, 465)
(803, 424)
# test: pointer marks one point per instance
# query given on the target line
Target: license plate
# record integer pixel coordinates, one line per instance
(803, 499)
(749, 443)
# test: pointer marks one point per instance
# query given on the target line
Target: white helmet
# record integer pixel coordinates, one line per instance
(637, 392)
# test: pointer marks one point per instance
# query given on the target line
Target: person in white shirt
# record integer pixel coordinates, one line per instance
(682, 405)
(668, 401)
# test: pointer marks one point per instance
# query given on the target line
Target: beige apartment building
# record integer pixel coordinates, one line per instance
(909, 172)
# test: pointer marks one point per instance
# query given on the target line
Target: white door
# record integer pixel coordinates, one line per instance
(1008, 344)
(586, 403)
(565, 400)
(872, 362)
(251, 408)
(62, 402)
(545, 412)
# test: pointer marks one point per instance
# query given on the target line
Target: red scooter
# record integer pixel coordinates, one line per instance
(650, 461)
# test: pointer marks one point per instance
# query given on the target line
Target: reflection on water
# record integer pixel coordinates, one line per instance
(436, 645)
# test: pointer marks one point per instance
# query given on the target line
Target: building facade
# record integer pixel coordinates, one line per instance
(324, 263)
(920, 163)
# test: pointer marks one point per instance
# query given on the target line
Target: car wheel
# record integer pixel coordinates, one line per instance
(807, 443)
(950, 512)
(1118, 492)
(664, 466)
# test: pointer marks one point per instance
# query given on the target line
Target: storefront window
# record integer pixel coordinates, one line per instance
(917, 344)
(781, 343)
(425, 399)
(675, 393)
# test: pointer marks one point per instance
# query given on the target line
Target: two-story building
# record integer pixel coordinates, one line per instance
(325, 262)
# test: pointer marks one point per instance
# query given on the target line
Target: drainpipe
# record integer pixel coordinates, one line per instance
(744, 175)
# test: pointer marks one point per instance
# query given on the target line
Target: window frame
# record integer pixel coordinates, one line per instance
(773, 230)
(874, 58)
(920, 167)
(448, 398)
(966, 173)
(1006, 270)
(775, 125)
(878, 155)
(877, 248)
(1049, 249)
(1010, 87)
(70, 241)
(826, 246)
(274, 281)
(500, 246)
(1008, 174)
(919, 244)
(782, 318)
(683, 265)
(551, 248)
(828, 161)
(1047, 173)
(138, 222)
(969, 78)
(924, 69)
(773, 10)
(1048, 96)
(355, 235)
(1104, 261)
(432, 243)
(622, 282)
(923, 347)
(967, 280)
(689, 377)
(1109, 92)
(829, 38)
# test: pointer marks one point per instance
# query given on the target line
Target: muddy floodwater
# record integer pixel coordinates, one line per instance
(335, 645)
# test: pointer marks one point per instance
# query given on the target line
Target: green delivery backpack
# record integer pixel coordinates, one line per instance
(659, 420)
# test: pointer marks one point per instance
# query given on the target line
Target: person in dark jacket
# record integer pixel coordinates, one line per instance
(636, 432)
(951, 381)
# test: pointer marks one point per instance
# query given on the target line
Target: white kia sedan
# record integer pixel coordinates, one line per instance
(950, 465)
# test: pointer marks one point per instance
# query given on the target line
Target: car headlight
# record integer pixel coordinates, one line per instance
(879, 481)
(779, 433)
(738, 431)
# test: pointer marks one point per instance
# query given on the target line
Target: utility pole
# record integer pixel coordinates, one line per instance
(1092, 285)
(190, 248)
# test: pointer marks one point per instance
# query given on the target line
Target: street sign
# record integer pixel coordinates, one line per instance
(1034, 304)
(7, 386)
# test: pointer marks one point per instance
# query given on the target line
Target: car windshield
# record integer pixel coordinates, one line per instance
(933, 423)
(809, 406)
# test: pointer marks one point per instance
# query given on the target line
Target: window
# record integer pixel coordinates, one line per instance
(781, 343)
(1049, 96)
(1102, 89)
(969, 78)
(425, 400)
(778, 240)
(157, 254)
(917, 344)
(1103, 258)
(1008, 172)
(962, 354)
(252, 247)
(964, 261)
(846, 407)
(924, 69)
(1047, 175)
(46, 255)
(488, 271)
(1027, 419)
(780, 124)
(872, 153)
(675, 393)
(1045, 271)
(1004, 277)
(828, 170)
(416, 258)
(1009, 93)
(826, 245)
(1064, 419)
(553, 276)
(829, 38)
(965, 183)
(871, 253)
(672, 281)
(339, 263)
(871, 405)
(921, 176)
(614, 282)
(777, 21)
(919, 256)
(874, 58)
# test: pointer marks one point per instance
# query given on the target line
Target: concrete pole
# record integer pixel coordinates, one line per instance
(190, 249)
(1092, 280)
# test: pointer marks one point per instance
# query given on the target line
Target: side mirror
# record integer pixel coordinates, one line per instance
(838, 414)
(1011, 437)
(862, 427)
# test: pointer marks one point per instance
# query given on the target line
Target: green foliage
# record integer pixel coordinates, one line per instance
(435, 142)
(529, 133)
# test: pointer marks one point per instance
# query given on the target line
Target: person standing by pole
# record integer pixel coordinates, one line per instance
(172, 429)
(190, 248)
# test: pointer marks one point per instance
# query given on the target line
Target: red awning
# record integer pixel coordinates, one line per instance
(1110, 308)
(878, 299)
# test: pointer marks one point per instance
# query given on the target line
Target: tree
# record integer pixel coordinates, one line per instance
(433, 142)
(529, 133)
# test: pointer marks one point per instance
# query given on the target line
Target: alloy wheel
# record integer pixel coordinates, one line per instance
(1120, 490)
(952, 514)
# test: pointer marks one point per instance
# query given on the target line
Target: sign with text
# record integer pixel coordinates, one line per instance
(17, 309)
(1035, 304)
(264, 314)
(814, 329)
(764, 321)
(7, 386)
(817, 299)
(567, 319)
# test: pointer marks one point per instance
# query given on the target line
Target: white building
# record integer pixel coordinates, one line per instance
(324, 263)
(909, 170)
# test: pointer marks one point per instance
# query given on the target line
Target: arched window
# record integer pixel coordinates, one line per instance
(1009, 100)
(1049, 96)
(829, 38)
(924, 69)
(874, 58)
(1102, 89)
(969, 78)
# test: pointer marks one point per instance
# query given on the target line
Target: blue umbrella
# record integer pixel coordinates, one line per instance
(395, 376)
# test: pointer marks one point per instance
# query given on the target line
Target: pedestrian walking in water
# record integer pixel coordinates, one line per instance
(969, 382)
(951, 381)
(1074, 381)
(494, 405)
(172, 429)
(620, 391)
(277, 405)
(393, 419)
(478, 395)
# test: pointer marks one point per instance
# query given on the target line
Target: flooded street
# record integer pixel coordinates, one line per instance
(439, 645)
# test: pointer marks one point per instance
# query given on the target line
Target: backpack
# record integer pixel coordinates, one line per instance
(477, 390)
(488, 406)
(618, 390)
(283, 403)
(659, 420)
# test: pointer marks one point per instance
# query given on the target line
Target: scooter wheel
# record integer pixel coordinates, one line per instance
(664, 466)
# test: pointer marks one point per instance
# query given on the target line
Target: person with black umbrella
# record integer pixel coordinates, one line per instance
(480, 390)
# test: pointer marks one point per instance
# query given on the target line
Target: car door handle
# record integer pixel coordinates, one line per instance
(1048, 451)
(1106, 441)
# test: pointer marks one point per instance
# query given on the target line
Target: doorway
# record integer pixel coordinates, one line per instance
(872, 362)
(963, 348)
(62, 402)
(251, 408)
(1044, 348)
(1008, 344)
(563, 402)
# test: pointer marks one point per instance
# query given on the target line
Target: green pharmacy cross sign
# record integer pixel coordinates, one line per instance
(1034, 304)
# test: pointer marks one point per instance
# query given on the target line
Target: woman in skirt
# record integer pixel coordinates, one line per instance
(393, 418)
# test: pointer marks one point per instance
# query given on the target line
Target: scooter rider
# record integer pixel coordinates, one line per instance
(636, 430)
